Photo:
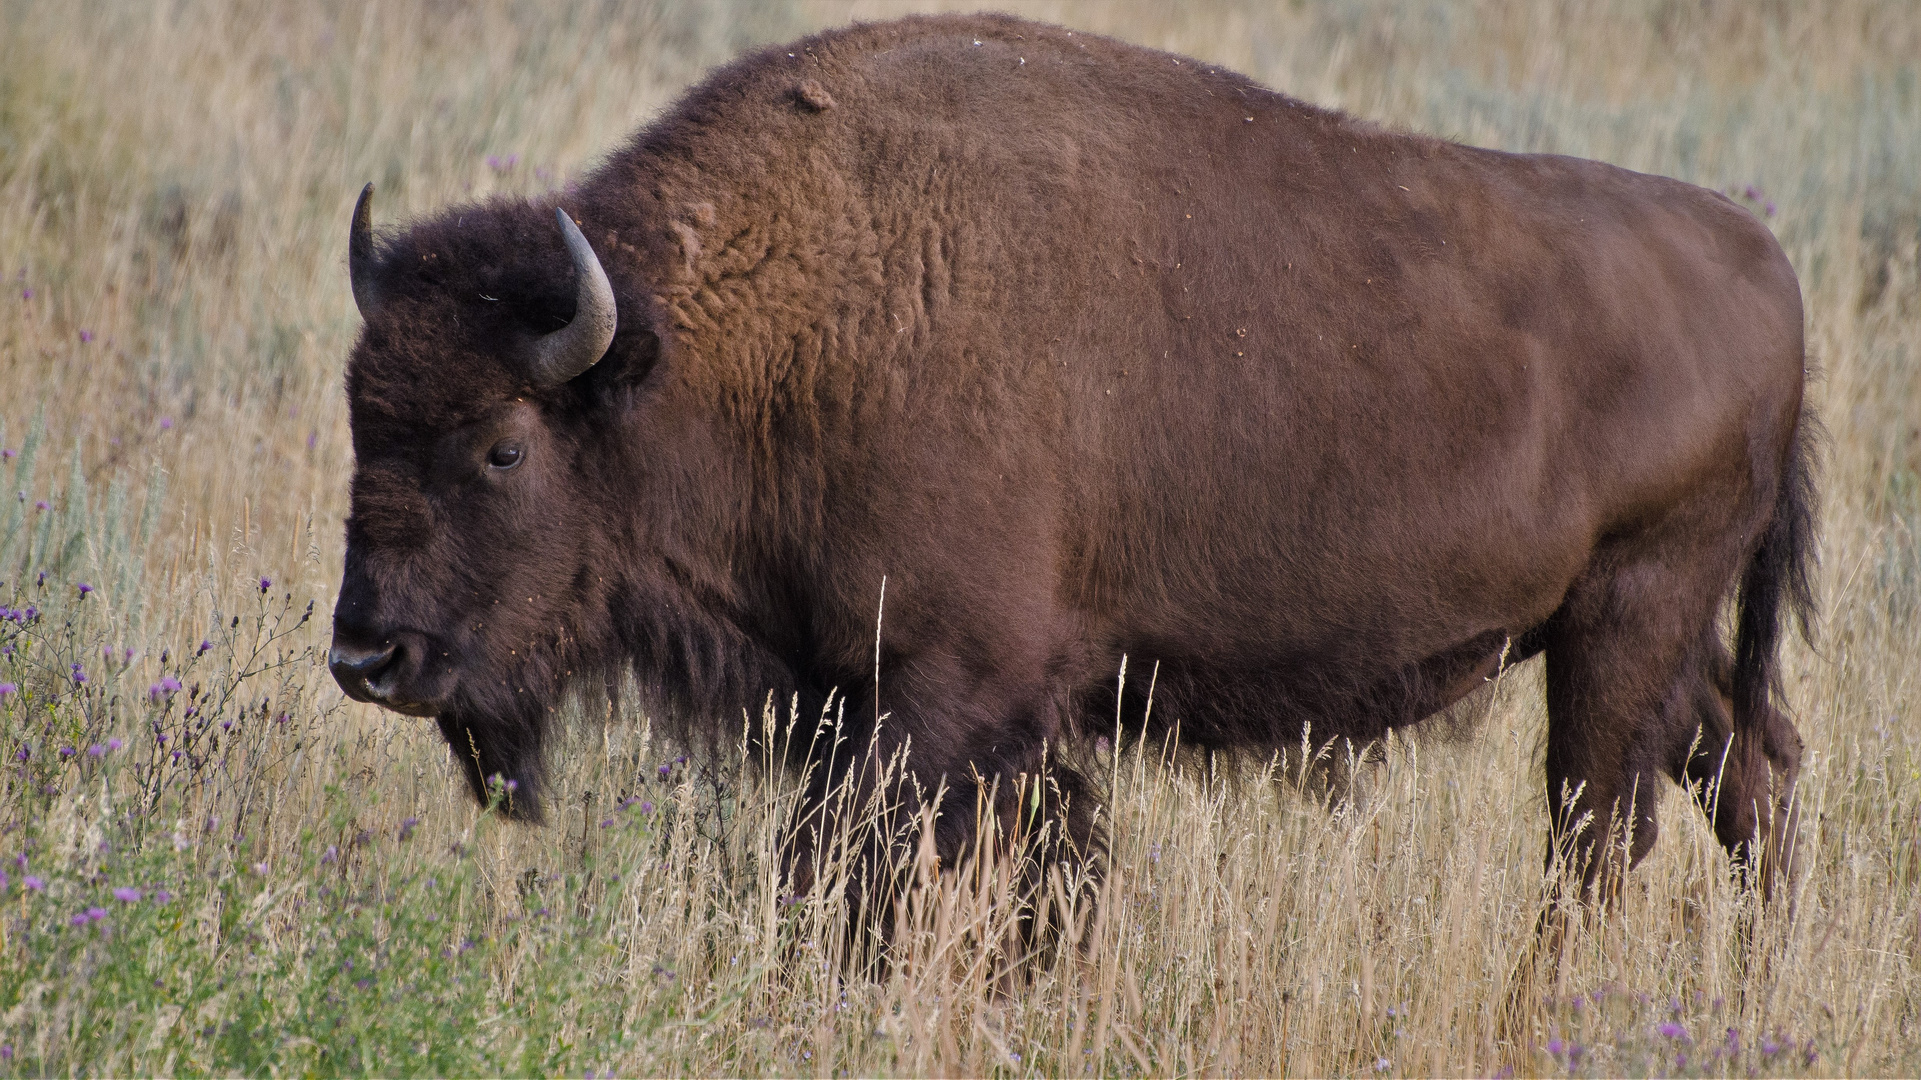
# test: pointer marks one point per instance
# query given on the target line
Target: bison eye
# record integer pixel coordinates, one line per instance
(504, 455)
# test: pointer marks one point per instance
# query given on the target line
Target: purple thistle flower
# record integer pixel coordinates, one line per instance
(407, 828)
(646, 807)
(265, 584)
(6, 1049)
(96, 751)
(260, 868)
(166, 422)
(607, 823)
(114, 744)
(41, 504)
(6, 455)
(512, 785)
(26, 294)
(664, 770)
(1751, 193)
(1673, 1030)
(128, 895)
(176, 757)
(6, 689)
(66, 751)
(85, 588)
(162, 896)
(86, 337)
(204, 646)
(79, 674)
(33, 884)
(1769, 1047)
(96, 913)
(79, 920)
(1555, 1046)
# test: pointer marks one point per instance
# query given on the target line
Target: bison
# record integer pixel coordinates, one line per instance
(1085, 353)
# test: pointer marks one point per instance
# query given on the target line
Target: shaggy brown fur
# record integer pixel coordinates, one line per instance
(1092, 351)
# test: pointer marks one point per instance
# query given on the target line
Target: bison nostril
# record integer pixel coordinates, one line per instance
(356, 668)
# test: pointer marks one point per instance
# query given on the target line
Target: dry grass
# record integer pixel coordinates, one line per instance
(175, 181)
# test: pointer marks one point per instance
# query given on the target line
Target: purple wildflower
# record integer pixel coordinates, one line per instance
(3, 880)
(96, 751)
(607, 823)
(86, 337)
(664, 770)
(265, 584)
(79, 920)
(1673, 1030)
(114, 744)
(40, 504)
(407, 828)
(332, 853)
(6, 455)
(66, 751)
(1751, 193)
(162, 896)
(127, 895)
(512, 785)
(7, 688)
(85, 588)
(260, 868)
(79, 673)
(96, 913)
(204, 646)
(1769, 208)
(312, 437)
(33, 884)
(166, 422)
(26, 294)
(6, 1049)
(646, 807)
(1555, 1046)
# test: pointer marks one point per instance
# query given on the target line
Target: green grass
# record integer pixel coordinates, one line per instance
(318, 895)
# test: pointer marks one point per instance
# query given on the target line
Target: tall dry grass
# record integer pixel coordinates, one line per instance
(175, 181)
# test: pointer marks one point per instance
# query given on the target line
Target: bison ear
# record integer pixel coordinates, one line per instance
(633, 355)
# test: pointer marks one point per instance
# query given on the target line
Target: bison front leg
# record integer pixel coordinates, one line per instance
(926, 797)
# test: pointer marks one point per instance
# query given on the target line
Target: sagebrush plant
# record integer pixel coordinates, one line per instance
(210, 862)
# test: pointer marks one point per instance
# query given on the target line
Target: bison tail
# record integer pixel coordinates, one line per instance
(1777, 581)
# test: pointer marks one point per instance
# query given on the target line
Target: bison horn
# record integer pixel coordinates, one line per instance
(580, 344)
(360, 255)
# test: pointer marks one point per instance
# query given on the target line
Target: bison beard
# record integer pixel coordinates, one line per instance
(1095, 355)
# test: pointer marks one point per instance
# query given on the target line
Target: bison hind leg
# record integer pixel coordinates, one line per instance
(1746, 792)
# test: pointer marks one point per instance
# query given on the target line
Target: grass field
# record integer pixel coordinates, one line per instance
(215, 864)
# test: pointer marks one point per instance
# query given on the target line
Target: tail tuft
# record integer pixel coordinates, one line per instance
(1778, 580)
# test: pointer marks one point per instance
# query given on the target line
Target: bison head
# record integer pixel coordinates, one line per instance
(482, 492)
